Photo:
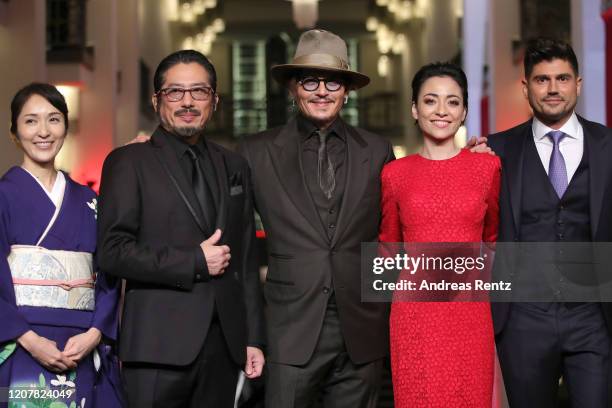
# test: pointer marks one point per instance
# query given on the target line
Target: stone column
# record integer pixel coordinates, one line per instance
(588, 41)
(474, 59)
(606, 12)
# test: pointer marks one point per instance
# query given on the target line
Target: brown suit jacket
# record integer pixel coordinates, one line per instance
(303, 261)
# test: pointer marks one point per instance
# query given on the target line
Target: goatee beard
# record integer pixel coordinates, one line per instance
(187, 131)
(184, 132)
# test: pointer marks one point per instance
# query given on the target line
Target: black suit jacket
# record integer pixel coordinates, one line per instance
(303, 260)
(150, 229)
(510, 146)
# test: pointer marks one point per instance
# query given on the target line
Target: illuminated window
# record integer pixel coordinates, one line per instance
(249, 87)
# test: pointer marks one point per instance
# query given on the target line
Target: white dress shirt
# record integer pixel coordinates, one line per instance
(571, 146)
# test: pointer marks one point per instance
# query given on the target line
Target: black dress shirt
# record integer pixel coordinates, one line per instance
(180, 147)
(337, 151)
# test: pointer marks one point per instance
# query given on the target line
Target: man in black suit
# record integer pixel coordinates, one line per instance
(176, 222)
(556, 187)
(317, 189)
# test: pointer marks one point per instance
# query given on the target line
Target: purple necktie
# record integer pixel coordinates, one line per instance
(557, 173)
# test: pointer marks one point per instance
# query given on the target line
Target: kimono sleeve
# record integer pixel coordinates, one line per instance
(106, 315)
(13, 323)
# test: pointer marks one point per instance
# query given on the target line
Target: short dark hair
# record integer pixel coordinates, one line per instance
(184, 57)
(440, 69)
(548, 49)
(47, 91)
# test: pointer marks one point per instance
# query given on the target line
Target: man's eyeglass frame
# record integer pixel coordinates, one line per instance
(208, 93)
(326, 82)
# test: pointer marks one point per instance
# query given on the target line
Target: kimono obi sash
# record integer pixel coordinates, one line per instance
(52, 278)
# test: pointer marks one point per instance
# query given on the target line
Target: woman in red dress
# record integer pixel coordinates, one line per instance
(442, 353)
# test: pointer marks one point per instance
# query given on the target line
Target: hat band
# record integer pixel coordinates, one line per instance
(323, 60)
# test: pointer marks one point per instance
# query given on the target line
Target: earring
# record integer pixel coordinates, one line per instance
(346, 99)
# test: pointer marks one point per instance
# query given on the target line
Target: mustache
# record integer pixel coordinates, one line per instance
(322, 100)
(554, 97)
(193, 111)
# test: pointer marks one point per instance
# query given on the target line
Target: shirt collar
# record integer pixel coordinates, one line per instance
(571, 128)
(180, 146)
(306, 128)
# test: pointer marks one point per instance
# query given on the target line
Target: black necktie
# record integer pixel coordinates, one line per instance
(201, 189)
(325, 168)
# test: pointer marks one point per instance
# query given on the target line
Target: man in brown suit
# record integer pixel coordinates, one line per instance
(317, 189)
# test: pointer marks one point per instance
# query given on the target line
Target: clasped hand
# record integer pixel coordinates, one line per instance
(45, 351)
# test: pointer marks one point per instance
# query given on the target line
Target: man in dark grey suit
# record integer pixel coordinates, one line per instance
(556, 187)
(317, 189)
(176, 222)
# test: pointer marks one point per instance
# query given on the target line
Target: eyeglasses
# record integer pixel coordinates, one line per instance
(202, 93)
(311, 84)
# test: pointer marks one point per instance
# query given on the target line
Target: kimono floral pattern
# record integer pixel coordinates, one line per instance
(93, 204)
(58, 392)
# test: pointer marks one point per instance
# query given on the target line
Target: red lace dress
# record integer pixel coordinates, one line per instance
(442, 353)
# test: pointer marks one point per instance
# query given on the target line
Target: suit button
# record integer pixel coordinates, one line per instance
(332, 225)
(331, 211)
(179, 285)
(326, 290)
(560, 236)
(198, 277)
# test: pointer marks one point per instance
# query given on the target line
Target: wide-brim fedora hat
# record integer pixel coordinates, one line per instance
(320, 50)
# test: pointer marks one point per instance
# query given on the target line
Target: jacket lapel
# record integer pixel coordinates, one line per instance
(287, 162)
(169, 162)
(515, 152)
(599, 149)
(220, 167)
(357, 177)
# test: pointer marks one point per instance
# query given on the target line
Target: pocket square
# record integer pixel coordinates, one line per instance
(235, 190)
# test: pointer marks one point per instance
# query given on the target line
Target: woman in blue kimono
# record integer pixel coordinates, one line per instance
(57, 315)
